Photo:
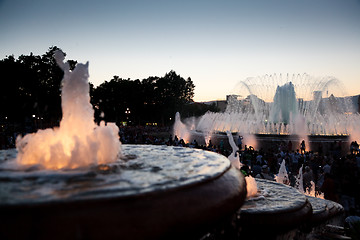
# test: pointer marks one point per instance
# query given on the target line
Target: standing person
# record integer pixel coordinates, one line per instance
(328, 188)
(265, 174)
(210, 145)
(308, 177)
(327, 167)
(302, 147)
(239, 142)
(289, 146)
(256, 169)
(221, 145)
(356, 148)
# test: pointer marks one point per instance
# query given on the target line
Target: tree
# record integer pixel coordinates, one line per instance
(195, 109)
(31, 90)
(153, 99)
(172, 92)
(111, 99)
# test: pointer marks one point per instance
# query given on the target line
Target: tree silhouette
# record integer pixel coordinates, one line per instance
(30, 92)
(31, 95)
(153, 99)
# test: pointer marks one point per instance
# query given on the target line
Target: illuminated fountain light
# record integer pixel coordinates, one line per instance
(78, 141)
(181, 130)
(300, 105)
(311, 192)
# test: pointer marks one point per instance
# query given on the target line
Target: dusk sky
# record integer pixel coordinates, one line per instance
(216, 43)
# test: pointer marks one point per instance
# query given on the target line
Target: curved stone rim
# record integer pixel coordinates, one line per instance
(294, 207)
(327, 210)
(153, 215)
(275, 221)
(189, 208)
(222, 164)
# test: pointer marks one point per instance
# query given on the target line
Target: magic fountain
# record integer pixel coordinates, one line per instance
(294, 107)
(78, 182)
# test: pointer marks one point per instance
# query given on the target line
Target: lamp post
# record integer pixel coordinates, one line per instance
(127, 113)
(35, 123)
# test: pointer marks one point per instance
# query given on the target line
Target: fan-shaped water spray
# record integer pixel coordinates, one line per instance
(292, 105)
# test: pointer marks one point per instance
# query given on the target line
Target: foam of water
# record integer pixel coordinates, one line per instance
(282, 176)
(313, 193)
(78, 142)
(180, 129)
(299, 183)
(251, 186)
(234, 156)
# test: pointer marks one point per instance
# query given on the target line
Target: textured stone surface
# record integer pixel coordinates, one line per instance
(277, 210)
(148, 169)
(156, 192)
(324, 210)
(273, 198)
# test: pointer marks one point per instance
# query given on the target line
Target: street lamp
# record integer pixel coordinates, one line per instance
(127, 112)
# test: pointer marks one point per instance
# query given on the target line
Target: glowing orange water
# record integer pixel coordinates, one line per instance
(313, 193)
(78, 142)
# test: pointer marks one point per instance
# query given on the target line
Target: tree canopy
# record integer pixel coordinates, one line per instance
(154, 99)
(30, 94)
(30, 88)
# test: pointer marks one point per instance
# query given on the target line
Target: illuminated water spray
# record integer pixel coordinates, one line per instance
(79, 141)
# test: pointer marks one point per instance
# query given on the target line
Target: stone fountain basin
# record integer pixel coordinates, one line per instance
(158, 192)
(278, 209)
(324, 210)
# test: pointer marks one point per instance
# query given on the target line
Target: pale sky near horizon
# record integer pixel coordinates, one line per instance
(216, 43)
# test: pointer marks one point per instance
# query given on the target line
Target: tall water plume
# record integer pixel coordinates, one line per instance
(282, 176)
(251, 186)
(78, 141)
(180, 129)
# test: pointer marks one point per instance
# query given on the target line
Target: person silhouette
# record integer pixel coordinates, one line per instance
(302, 147)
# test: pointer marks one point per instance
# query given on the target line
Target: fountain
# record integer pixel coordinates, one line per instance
(296, 113)
(282, 176)
(284, 106)
(292, 107)
(78, 182)
(251, 186)
(78, 141)
(180, 129)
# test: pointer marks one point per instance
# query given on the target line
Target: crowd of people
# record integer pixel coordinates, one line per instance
(335, 175)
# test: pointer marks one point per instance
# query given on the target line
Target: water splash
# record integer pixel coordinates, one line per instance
(234, 156)
(251, 186)
(282, 176)
(78, 142)
(299, 183)
(312, 191)
(180, 129)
